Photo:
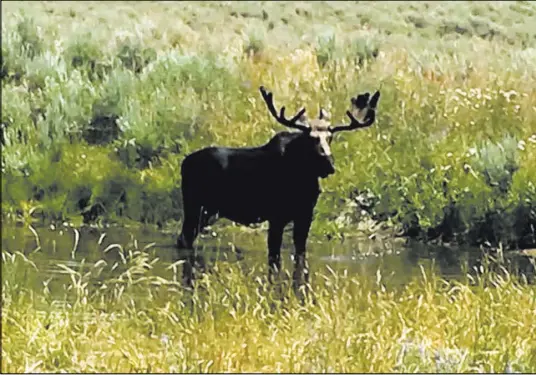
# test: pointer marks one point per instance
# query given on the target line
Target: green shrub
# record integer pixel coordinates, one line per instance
(144, 104)
(30, 41)
(255, 43)
(326, 49)
(134, 56)
(498, 162)
(84, 53)
(364, 49)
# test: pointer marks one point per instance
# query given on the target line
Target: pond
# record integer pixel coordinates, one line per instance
(52, 249)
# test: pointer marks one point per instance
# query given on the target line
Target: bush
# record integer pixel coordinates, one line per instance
(84, 53)
(326, 49)
(498, 162)
(254, 43)
(364, 49)
(30, 41)
(134, 56)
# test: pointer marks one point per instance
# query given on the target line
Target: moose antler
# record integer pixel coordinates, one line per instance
(292, 123)
(360, 102)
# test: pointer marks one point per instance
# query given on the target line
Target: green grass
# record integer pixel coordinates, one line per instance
(133, 316)
(101, 102)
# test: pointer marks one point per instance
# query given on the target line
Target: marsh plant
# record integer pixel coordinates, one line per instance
(128, 312)
(101, 102)
(110, 102)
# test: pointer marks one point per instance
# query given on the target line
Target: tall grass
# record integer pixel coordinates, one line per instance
(96, 117)
(133, 316)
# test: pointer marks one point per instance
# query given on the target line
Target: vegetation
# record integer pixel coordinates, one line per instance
(125, 316)
(99, 108)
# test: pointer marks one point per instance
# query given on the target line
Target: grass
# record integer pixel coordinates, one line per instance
(132, 315)
(102, 101)
(99, 108)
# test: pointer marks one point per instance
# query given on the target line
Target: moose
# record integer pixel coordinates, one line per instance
(277, 182)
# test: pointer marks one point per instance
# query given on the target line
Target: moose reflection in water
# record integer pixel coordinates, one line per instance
(277, 182)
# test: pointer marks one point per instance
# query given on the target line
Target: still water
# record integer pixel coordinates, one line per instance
(51, 248)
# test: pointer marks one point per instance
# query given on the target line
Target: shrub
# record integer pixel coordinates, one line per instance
(30, 41)
(84, 53)
(364, 49)
(134, 56)
(498, 162)
(326, 49)
(254, 43)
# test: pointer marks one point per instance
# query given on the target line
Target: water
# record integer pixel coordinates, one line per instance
(52, 249)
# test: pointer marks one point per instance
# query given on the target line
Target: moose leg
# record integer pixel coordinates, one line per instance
(190, 229)
(300, 234)
(275, 238)
(191, 226)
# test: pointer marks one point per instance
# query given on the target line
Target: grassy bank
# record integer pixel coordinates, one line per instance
(101, 102)
(129, 317)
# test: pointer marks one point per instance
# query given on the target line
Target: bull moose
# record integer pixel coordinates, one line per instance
(277, 182)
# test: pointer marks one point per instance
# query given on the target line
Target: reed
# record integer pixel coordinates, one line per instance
(99, 108)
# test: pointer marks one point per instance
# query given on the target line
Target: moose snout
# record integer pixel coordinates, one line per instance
(328, 167)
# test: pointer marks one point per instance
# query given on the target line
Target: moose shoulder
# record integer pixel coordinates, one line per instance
(276, 182)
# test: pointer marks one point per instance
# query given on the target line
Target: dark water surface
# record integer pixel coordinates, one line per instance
(81, 248)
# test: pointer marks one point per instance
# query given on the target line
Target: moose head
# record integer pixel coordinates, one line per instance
(312, 148)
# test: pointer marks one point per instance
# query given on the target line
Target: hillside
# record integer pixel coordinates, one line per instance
(101, 101)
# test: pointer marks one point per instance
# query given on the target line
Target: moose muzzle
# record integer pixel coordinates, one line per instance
(328, 166)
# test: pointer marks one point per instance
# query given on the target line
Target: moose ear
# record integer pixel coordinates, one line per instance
(374, 101)
(324, 115)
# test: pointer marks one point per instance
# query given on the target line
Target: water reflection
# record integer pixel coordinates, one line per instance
(86, 246)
